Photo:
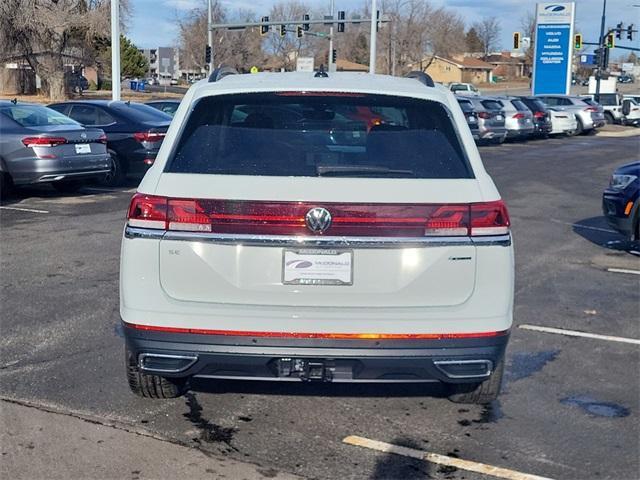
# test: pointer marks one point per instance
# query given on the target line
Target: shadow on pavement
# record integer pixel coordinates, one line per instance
(597, 231)
(389, 465)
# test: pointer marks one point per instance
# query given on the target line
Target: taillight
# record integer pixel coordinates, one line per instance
(484, 115)
(102, 138)
(591, 109)
(148, 211)
(43, 141)
(539, 115)
(288, 218)
(149, 136)
(519, 115)
(489, 218)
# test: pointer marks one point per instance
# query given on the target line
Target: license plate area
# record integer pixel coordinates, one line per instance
(317, 267)
(83, 148)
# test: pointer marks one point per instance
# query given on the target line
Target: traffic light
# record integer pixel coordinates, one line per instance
(619, 31)
(207, 54)
(377, 18)
(630, 32)
(334, 55)
(299, 31)
(264, 29)
(605, 59)
(516, 40)
(577, 41)
(341, 24)
(597, 57)
(610, 43)
(306, 26)
(283, 30)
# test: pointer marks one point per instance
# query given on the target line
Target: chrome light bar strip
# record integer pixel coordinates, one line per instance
(304, 242)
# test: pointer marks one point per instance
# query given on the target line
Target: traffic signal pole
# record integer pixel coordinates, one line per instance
(210, 34)
(330, 59)
(115, 50)
(372, 46)
(602, 53)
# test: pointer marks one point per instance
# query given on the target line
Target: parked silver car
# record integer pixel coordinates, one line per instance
(590, 115)
(518, 119)
(490, 116)
(40, 145)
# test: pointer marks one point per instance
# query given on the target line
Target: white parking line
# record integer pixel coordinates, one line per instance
(623, 270)
(577, 225)
(576, 333)
(438, 459)
(31, 210)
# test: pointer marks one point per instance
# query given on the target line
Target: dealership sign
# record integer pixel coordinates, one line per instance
(553, 48)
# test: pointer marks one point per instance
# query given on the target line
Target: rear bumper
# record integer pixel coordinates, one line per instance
(38, 170)
(247, 357)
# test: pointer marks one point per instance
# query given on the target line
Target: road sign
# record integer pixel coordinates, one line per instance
(304, 64)
(254, 69)
(554, 48)
(587, 59)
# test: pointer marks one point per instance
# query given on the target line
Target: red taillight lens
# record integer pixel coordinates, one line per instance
(539, 115)
(484, 115)
(102, 138)
(490, 218)
(591, 109)
(188, 215)
(519, 115)
(448, 220)
(148, 211)
(149, 136)
(43, 141)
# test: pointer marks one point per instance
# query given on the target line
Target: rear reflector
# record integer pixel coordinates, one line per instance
(288, 218)
(329, 336)
(43, 141)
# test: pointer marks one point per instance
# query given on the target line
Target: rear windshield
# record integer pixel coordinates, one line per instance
(320, 134)
(590, 101)
(491, 105)
(459, 88)
(35, 116)
(519, 105)
(466, 105)
(139, 112)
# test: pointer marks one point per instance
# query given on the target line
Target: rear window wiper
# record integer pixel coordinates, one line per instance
(360, 170)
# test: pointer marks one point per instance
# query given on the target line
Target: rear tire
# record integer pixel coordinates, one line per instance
(478, 393)
(67, 186)
(152, 386)
(117, 175)
(609, 118)
(579, 128)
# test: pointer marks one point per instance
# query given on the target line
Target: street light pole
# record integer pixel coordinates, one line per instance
(372, 46)
(601, 48)
(210, 34)
(115, 50)
(331, 12)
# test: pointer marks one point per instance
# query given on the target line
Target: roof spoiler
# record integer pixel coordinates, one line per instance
(421, 77)
(221, 72)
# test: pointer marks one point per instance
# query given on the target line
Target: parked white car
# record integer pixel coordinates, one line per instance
(317, 227)
(464, 89)
(562, 122)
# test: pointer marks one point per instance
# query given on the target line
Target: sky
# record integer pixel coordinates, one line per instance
(154, 22)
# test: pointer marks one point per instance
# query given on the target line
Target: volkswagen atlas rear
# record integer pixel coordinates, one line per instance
(278, 237)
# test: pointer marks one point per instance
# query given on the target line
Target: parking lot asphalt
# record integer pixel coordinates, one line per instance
(569, 408)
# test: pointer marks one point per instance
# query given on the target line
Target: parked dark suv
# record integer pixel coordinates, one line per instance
(620, 200)
(541, 116)
(134, 132)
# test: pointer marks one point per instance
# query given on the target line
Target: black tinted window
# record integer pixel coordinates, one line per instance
(35, 116)
(140, 113)
(466, 106)
(345, 135)
(492, 105)
(519, 105)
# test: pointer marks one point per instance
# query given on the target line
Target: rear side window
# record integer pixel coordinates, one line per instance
(590, 101)
(138, 112)
(491, 105)
(320, 134)
(35, 116)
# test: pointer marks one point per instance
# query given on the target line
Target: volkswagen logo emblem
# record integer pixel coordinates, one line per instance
(83, 135)
(318, 219)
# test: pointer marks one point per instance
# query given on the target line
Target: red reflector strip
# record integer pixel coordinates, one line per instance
(329, 336)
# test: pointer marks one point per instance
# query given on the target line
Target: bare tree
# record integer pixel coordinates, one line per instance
(528, 25)
(488, 30)
(46, 32)
(288, 47)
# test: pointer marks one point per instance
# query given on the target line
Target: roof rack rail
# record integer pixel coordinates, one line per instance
(421, 77)
(221, 72)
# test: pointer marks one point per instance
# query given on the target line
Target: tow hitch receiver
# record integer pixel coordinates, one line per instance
(306, 369)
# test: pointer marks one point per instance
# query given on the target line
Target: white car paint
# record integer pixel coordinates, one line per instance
(562, 122)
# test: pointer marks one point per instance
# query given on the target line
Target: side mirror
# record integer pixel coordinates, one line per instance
(626, 107)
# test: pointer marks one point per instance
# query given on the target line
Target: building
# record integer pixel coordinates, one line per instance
(343, 65)
(458, 69)
(164, 62)
(509, 66)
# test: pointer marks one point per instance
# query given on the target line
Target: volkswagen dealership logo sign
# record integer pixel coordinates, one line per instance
(318, 219)
(555, 8)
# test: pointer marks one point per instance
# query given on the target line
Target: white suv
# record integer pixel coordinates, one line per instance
(314, 227)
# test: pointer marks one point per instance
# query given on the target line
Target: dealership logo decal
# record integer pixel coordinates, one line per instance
(299, 263)
(555, 8)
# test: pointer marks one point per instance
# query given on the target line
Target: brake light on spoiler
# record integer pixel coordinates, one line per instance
(288, 218)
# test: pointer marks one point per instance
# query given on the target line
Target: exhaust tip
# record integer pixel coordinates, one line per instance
(465, 368)
(165, 363)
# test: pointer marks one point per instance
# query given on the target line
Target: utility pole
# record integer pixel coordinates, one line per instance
(330, 62)
(372, 46)
(115, 50)
(210, 34)
(602, 53)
